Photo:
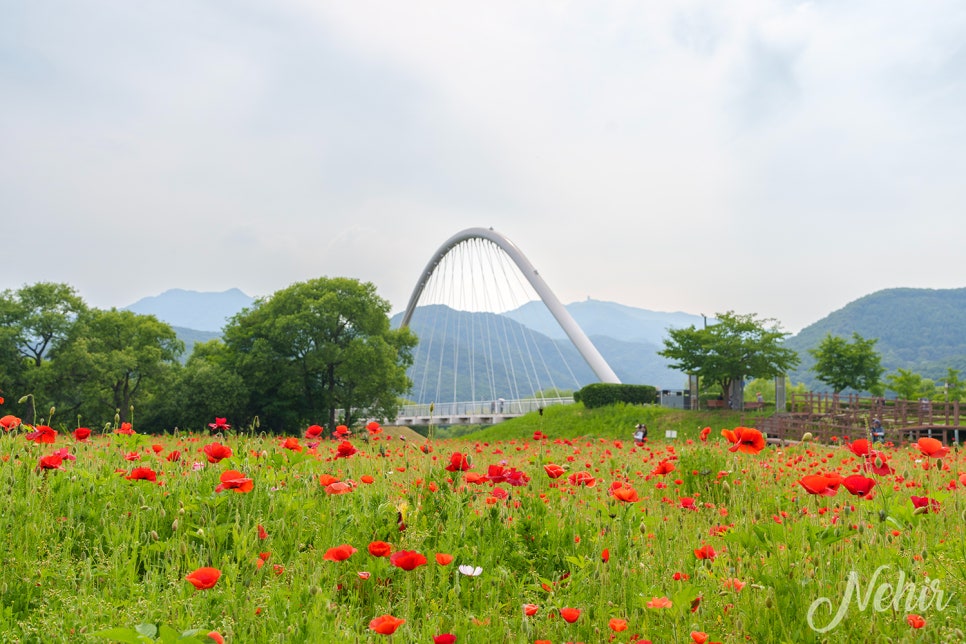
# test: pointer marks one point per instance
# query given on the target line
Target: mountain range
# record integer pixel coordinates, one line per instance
(916, 329)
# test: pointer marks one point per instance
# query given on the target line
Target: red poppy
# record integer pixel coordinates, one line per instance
(9, 422)
(367, 479)
(339, 487)
(858, 485)
(216, 637)
(234, 480)
(916, 621)
(818, 484)
(530, 609)
(51, 462)
(173, 456)
(664, 467)
(570, 614)
(81, 434)
(339, 553)
(554, 471)
(215, 452)
(699, 637)
(704, 434)
(445, 638)
(444, 559)
(142, 474)
(624, 492)
(931, 447)
(341, 430)
(458, 462)
(373, 427)
(380, 549)
(617, 625)
(314, 431)
(262, 533)
(746, 440)
(706, 552)
(42, 434)
(204, 578)
(582, 478)
(125, 429)
(386, 624)
(930, 505)
(345, 450)
(407, 559)
(605, 555)
(859, 447)
(292, 444)
(219, 424)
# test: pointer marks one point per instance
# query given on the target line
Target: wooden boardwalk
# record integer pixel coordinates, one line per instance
(831, 418)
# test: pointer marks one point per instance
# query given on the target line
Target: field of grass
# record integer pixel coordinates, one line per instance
(553, 528)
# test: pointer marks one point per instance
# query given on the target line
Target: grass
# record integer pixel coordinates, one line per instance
(87, 549)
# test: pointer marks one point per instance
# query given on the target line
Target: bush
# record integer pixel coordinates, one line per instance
(602, 394)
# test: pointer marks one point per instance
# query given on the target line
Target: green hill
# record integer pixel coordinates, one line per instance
(917, 329)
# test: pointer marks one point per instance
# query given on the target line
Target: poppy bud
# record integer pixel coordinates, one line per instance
(807, 436)
(768, 602)
(23, 399)
(154, 535)
(174, 526)
(725, 487)
(939, 461)
(878, 462)
(922, 510)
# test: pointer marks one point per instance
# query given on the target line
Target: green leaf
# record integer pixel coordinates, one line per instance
(147, 630)
(124, 635)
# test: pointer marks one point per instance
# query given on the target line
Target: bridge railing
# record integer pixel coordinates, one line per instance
(498, 407)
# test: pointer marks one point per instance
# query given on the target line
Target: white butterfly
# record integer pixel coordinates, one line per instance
(470, 571)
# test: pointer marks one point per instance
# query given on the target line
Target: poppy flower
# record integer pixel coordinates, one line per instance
(916, 621)
(367, 479)
(699, 637)
(81, 434)
(262, 533)
(734, 584)
(341, 430)
(9, 422)
(530, 609)
(373, 427)
(142, 474)
(339, 553)
(445, 638)
(444, 559)
(704, 434)
(219, 424)
(339, 487)
(554, 471)
(204, 578)
(858, 485)
(386, 624)
(663, 467)
(173, 456)
(617, 625)
(407, 559)
(659, 602)
(570, 614)
(292, 444)
(380, 549)
(706, 552)
(345, 450)
(42, 434)
(931, 447)
(458, 462)
(234, 480)
(930, 505)
(746, 440)
(582, 478)
(51, 462)
(624, 492)
(314, 431)
(818, 484)
(859, 447)
(216, 637)
(125, 429)
(216, 452)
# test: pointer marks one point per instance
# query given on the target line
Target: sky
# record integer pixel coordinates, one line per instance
(758, 156)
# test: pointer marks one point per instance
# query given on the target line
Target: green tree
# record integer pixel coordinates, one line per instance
(738, 346)
(111, 359)
(317, 347)
(848, 365)
(909, 385)
(952, 388)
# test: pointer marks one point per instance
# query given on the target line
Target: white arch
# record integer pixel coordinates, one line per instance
(586, 348)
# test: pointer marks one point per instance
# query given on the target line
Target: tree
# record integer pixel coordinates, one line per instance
(909, 385)
(112, 357)
(848, 365)
(738, 346)
(317, 347)
(953, 388)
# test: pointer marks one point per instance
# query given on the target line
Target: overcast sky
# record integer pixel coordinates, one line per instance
(767, 157)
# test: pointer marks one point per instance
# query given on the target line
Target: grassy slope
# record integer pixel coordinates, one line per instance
(615, 422)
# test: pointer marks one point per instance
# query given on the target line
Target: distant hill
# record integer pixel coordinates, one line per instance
(190, 337)
(193, 309)
(916, 329)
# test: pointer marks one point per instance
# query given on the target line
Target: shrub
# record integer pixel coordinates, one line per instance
(602, 394)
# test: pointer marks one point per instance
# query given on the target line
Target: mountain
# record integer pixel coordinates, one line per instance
(609, 319)
(916, 329)
(196, 310)
(500, 345)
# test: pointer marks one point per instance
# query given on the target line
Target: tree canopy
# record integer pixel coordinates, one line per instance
(737, 347)
(848, 365)
(320, 346)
